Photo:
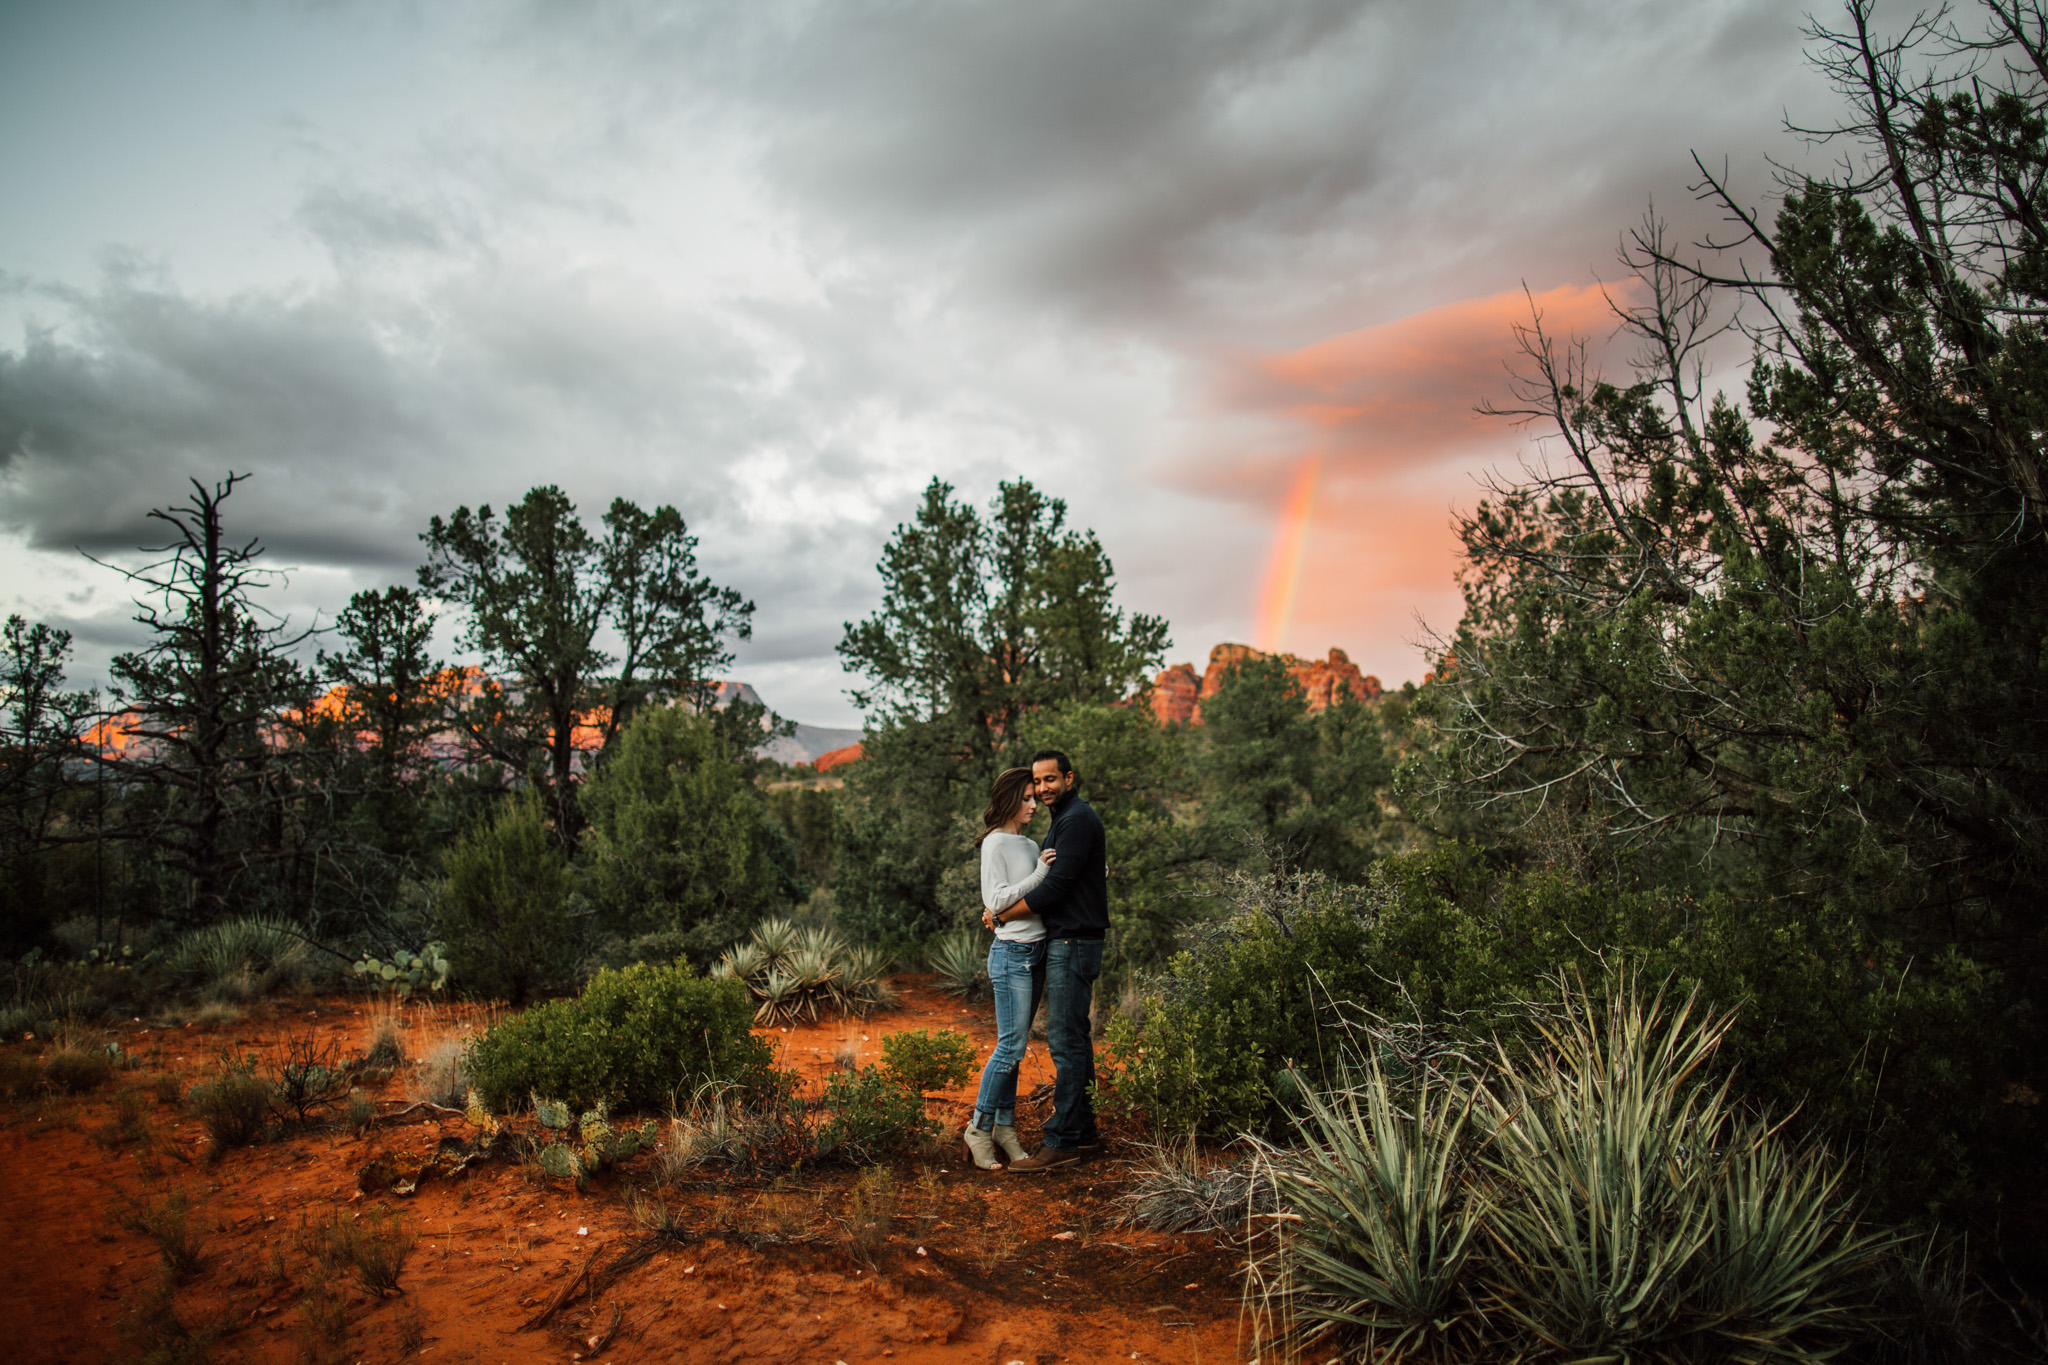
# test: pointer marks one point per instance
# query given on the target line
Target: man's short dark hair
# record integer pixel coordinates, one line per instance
(1066, 764)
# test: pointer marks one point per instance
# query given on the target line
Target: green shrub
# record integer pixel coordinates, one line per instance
(234, 1106)
(637, 1037)
(923, 1061)
(873, 1117)
(1864, 1046)
(75, 1070)
(504, 908)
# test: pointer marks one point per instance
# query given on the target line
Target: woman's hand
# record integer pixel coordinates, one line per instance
(1047, 855)
(988, 918)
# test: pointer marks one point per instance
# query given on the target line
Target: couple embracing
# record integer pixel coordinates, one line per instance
(1050, 913)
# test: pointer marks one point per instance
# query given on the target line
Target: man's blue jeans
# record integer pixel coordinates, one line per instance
(1016, 978)
(1071, 966)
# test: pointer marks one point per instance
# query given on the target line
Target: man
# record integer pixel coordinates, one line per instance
(1073, 901)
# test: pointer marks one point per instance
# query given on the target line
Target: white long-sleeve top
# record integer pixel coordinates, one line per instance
(1010, 871)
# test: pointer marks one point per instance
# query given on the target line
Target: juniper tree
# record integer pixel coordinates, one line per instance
(540, 593)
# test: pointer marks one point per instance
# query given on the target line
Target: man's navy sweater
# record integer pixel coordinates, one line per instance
(1073, 900)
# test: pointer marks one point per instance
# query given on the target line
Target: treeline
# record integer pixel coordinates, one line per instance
(578, 799)
(357, 790)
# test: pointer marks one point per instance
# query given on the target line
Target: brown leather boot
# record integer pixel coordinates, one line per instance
(1048, 1159)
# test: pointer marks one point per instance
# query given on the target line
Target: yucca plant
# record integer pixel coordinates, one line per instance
(1785, 1252)
(1388, 1221)
(960, 959)
(778, 996)
(864, 987)
(254, 948)
(1591, 1195)
(775, 937)
(1609, 1151)
(798, 974)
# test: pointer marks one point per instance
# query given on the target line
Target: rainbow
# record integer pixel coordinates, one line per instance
(1283, 566)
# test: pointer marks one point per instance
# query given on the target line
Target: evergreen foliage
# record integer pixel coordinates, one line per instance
(678, 842)
(504, 906)
(1795, 653)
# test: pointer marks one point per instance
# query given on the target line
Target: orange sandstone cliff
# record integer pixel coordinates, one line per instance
(1178, 694)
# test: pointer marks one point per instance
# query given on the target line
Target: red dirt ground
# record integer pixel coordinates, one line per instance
(977, 1267)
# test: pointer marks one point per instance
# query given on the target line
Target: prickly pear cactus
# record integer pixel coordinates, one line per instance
(486, 1125)
(560, 1160)
(406, 971)
(628, 1141)
(552, 1113)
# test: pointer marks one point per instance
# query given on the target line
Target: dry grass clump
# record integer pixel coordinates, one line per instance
(721, 1124)
(1173, 1190)
(20, 1074)
(373, 1246)
(152, 1327)
(386, 1048)
(128, 1123)
(218, 1014)
(166, 1222)
(870, 1213)
(440, 1079)
(234, 1105)
(82, 1061)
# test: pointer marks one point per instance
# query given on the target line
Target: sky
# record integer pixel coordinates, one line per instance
(1228, 276)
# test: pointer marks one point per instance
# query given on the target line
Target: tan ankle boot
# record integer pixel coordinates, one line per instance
(1006, 1138)
(981, 1148)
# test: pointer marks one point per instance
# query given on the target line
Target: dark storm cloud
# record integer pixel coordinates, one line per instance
(1198, 168)
(361, 413)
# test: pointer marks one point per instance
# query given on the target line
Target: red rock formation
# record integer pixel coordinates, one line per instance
(1177, 695)
(825, 762)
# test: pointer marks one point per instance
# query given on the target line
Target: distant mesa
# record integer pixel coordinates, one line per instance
(1178, 693)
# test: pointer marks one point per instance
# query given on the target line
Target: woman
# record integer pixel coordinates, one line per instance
(1011, 869)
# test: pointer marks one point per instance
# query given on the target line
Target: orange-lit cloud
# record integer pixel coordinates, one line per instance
(1359, 447)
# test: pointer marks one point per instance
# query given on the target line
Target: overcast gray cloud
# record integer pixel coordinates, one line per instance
(781, 263)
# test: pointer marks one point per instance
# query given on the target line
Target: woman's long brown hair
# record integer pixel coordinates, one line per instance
(1005, 799)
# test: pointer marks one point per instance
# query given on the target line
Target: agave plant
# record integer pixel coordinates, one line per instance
(959, 960)
(817, 978)
(744, 960)
(822, 939)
